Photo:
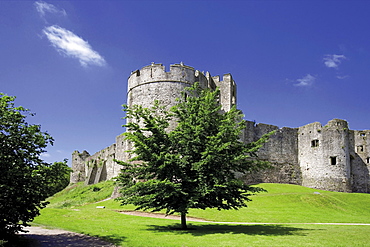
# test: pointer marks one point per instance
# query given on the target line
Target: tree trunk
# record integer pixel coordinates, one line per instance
(183, 221)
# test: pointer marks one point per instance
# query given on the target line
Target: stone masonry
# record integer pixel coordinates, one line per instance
(330, 157)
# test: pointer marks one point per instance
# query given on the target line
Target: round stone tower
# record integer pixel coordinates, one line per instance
(152, 82)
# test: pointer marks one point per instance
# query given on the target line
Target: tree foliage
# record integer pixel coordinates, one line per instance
(57, 176)
(25, 179)
(192, 165)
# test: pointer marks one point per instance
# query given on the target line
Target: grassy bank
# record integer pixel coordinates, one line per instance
(284, 204)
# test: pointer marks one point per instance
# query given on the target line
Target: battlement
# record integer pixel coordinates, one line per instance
(180, 73)
(153, 82)
(157, 73)
(225, 78)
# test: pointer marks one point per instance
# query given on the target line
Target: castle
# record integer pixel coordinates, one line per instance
(330, 157)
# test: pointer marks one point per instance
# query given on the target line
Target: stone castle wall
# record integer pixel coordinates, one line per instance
(78, 166)
(281, 151)
(360, 160)
(329, 157)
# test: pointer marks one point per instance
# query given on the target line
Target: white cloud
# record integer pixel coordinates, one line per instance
(342, 77)
(44, 8)
(69, 44)
(45, 155)
(306, 81)
(333, 61)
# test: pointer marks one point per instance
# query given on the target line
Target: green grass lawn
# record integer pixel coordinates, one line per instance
(283, 204)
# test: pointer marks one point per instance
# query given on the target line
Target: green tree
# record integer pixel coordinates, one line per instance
(194, 164)
(23, 186)
(57, 176)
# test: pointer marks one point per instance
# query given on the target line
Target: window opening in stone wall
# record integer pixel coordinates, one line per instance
(314, 143)
(362, 134)
(333, 160)
(360, 148)
(368, 160)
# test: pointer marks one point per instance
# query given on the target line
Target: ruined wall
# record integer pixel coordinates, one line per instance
(78, 166)
(324, 156)
(121, 147)
(100, 166)
(281, 151)
(360, 160)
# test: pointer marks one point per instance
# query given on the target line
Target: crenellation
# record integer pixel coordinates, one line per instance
(329, 157)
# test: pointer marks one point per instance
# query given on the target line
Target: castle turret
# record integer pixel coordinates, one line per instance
(227, 91)
(152, 82)
(323, 155)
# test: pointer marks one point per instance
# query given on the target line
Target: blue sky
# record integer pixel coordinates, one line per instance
(294, 62)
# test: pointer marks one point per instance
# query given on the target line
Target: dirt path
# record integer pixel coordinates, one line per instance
(42, 237)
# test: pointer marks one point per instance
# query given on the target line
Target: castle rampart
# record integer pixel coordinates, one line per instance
(281, 151)
(329, 157)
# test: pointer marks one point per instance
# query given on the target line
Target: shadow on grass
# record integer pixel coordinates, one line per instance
(62, 240)
(205, 229)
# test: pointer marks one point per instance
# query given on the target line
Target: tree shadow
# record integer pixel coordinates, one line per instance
(63, 239)
(258, 229)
